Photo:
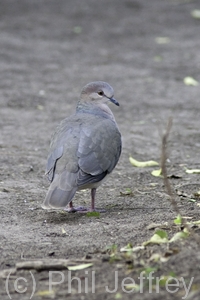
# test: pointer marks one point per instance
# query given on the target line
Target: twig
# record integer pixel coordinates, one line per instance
(50, 264)
(167, 184)
(164, 168)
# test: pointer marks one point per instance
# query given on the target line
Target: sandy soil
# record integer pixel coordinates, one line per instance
(49, 51)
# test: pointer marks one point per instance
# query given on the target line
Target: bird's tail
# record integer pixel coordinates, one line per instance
(58, 196)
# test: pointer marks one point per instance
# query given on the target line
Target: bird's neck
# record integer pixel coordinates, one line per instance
(100, 109)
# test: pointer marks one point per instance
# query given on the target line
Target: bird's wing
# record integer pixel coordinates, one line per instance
(62, 165)
(98, 151)
(63, 147)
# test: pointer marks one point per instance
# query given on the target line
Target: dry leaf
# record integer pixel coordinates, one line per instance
(79, 267)
(134, 249)
(179, 235)
(63, 230)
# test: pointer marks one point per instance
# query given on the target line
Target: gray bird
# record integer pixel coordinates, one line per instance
(84, 149)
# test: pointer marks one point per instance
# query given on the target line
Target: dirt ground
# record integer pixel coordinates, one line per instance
(144, 49)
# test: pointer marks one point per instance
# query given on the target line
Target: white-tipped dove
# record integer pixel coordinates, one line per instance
(84, 149)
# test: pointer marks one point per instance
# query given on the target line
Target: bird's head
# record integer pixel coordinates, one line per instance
(98, 92)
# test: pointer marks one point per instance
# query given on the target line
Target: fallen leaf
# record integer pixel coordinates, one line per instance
(132, 286)
(77, 29)
(162, 40)
(127, 192)
(42, 93)
(128, 247)
(190, 81)
(157, 58)
(142, 164)
(46, 293)
(195, 13)
(156, 257)
(158, 225)
(157, 173)
(192, 171)
(197, 194)
(93, 214)
(148, 270)
(159, 237)
(194, 223)
(178, 220)
(79, 267)
(118, 296)
(178, 236)
(63, 230)
(191, 200)
(165, 278)
(40, 107)
(133, 249)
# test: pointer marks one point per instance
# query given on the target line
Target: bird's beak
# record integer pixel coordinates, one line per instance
(113, 100)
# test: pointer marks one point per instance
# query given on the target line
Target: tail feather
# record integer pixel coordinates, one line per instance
(58, 198)
(59, 194)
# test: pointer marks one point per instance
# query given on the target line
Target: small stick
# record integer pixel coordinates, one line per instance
(164, 168)
(167, 182)
(164, 173)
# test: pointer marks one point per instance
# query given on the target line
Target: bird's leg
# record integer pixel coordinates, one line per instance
(85, 209)
(93, 193)
(73, 209)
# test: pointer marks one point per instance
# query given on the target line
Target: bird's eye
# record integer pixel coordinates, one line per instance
(100, 93)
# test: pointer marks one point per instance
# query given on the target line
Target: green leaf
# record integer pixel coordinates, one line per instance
(157, 173)
(178, 220)
(93, 214)
(112, 249)
(149, 270)
(129, 246)
(162, 233)
(165, 278)
(143, 164)
(46, 293)
(159, 237)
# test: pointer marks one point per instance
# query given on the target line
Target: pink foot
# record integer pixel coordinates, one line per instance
(73, 209)
(82, 209)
